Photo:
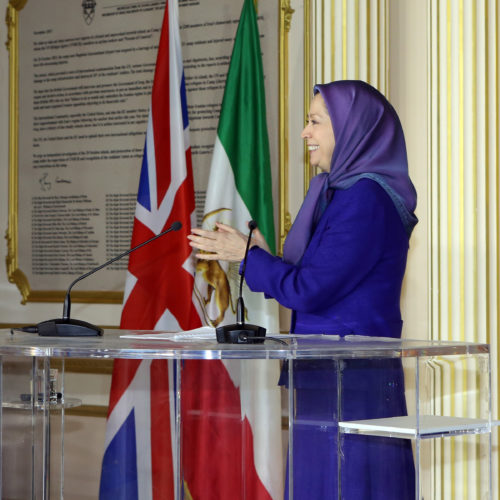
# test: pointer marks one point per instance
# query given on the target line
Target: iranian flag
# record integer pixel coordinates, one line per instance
(232, 414)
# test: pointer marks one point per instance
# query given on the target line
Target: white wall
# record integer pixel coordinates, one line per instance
(408, 94)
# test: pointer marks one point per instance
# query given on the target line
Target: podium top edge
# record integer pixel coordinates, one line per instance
(168, 345)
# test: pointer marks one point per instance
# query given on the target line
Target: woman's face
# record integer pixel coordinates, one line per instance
(318, 134)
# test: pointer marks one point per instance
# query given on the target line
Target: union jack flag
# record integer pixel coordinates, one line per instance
(138, 462)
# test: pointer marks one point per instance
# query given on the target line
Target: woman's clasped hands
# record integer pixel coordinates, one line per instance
(225, 243)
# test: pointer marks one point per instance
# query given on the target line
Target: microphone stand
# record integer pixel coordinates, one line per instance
(67, 327)
(240, 332)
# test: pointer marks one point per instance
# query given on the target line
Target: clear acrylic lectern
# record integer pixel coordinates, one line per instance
(432, 398)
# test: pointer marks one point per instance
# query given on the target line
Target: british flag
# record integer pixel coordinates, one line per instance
(138, 462)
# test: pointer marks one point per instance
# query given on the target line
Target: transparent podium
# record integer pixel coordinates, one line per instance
(358, 418)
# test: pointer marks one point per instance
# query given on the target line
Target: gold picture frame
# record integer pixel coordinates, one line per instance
(29, 291)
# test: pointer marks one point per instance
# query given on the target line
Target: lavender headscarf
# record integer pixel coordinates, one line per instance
(369, 143)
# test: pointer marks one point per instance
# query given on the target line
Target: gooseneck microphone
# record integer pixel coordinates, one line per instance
(67, 327)
(240, 332)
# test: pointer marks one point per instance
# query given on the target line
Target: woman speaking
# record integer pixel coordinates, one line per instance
(341, 274)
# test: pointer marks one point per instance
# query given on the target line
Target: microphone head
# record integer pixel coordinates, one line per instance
(252, 225)
(176, 226)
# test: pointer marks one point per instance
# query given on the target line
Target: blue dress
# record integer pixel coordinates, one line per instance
(348, 282)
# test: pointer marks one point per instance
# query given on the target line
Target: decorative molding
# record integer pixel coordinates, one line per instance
(347, 40)
(14, 274)
(464, 142)
(285, 21)
(287, 15)
(307, 86)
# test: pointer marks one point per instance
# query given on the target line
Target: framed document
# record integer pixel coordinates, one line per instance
(80, 82)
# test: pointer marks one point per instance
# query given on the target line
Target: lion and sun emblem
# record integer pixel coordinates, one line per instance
(217, 283)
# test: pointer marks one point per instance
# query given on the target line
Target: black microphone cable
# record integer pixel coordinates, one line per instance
(240, 307)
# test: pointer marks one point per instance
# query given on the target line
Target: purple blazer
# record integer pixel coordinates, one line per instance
(347, 282)
(349, 279)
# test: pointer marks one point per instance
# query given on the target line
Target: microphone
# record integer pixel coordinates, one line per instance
(67, 327)
(240, 332)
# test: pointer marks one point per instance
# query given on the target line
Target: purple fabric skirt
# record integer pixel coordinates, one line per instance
(370, 467)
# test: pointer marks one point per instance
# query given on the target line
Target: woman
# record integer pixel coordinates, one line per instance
(341, 274)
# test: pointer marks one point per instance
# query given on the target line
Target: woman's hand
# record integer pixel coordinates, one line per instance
(226, 243)
(258, 239)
